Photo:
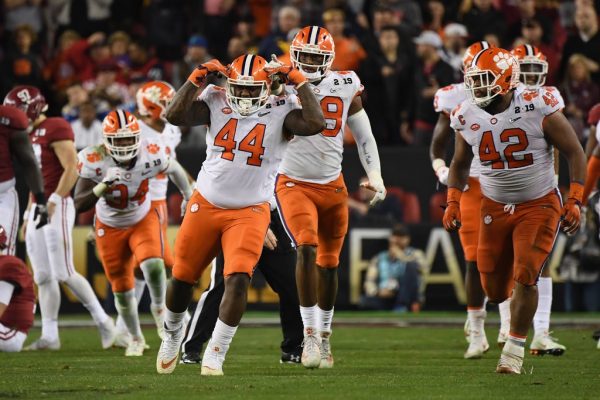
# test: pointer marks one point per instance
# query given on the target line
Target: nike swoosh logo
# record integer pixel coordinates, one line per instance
(515, 119)
(164, 365)
(263, 114)
(146, 173)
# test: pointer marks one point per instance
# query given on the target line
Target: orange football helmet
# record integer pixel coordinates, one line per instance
(121, 133)
(308, 44)
(153, 98)
(248, 86)
(533, 65)
(472, 51)
(492, 72)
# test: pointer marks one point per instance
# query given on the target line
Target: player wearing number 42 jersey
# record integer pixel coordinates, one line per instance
(311, 194)
(513, 130)
(114, 176)
(229, 210)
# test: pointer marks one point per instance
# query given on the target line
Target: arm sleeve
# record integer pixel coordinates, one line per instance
(6, 291)
(179, 177)
(367, 147)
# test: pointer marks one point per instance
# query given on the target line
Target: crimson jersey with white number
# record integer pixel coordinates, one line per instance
(242, 153)
(169, 138)
(517, 162)
(318, 158)
(11, 119)
(447, 99)
(125, 202)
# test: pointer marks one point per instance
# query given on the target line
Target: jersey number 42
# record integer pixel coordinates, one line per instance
(488, 152)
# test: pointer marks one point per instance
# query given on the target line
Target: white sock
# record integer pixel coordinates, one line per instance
(218, 343)
(324, 320)
(541, 319)
(515, 345)
(173, 320)
(504, 309)
(49, 300)
(127, 308)
(309, 319)
(85, 294)
(156, 278)
(140, 285)
(476, 320)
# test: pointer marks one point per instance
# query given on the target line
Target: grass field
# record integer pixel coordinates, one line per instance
(370, 362)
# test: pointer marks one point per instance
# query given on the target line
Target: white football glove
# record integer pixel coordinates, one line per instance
(183, 206)
(442, 175)
(274, 63)
(376, 185)
(113, 174)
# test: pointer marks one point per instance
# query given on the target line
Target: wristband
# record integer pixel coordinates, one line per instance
(454, 194)
(576, 192)
(39, 198)
(437, 164)
(26, 215)
(55, 198)
(99, 189)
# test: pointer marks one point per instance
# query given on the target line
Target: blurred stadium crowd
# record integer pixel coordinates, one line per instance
(90, 56)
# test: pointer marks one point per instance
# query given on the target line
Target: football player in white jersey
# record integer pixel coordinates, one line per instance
(533, 70)
(152, 99)
(249, 131)
(447, 99)
(513, 130)
(114, 176)
(311, 192)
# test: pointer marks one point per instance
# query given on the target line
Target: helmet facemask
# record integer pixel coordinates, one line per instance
(311, 71)
(533, 72)
(482, 86)
(257, 97)
(124, 145)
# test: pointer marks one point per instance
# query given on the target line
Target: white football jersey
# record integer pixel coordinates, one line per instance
(125, 202)
(170, 138)
(447, 99)
(318, 158)
(242, 152)
(517, 163)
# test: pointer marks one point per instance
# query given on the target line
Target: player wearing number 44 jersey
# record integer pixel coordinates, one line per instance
(513, 130)
(114, 176)
(50, 249)
(229, 211)
(310, 190)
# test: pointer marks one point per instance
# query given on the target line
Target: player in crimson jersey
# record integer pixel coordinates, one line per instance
(15, 142)
(17, 300)
(513, 131)
(249, 131)
(114, 177)
(311, 193)
(51, 249)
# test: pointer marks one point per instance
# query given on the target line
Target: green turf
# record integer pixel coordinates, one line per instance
(374, 363)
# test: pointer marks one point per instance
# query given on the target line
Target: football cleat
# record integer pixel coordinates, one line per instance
(191, 357)
(596, 335)
(158, 313)
(212, 362)
(311, 351)
(108, 333)
(478, 345)
(135, 348)
(291, 358)
(326, 356)
(122, 339)
(166, 361)
(43, 344)
(543, 344)
(509, 364)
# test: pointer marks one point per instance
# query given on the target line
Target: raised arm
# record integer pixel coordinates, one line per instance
(185, 109)
(559, 132)
(309, 120)
(457, 179)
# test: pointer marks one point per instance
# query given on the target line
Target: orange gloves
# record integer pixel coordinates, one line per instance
(289, 74)
(199, 74)
(451, 218)
(571, 212)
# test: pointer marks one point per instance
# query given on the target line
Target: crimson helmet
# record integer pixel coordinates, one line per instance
(27, 98)
(3, 238)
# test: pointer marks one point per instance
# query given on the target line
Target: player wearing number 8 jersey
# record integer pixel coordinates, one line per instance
(310, 189)
(513, 131)
(229, 212)
(114, 177)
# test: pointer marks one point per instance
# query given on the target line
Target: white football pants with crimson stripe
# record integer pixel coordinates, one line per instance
(50, 248)
(9, 218)
(11, 340)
